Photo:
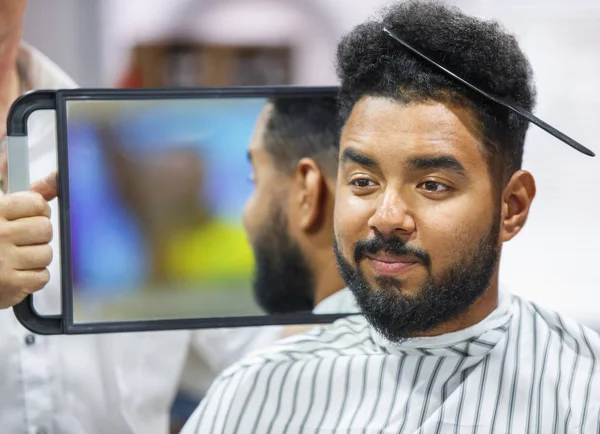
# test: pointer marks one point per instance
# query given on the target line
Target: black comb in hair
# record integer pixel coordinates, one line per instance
(516, 109)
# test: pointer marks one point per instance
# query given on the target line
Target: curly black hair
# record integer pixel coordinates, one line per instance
(303, 127)
(371, 63)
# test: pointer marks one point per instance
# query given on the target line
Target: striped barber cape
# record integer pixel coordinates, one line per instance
(521, 370)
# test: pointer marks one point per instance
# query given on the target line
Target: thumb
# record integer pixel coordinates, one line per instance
(47, 187)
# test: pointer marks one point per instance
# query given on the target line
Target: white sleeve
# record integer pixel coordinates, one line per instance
(220, 348)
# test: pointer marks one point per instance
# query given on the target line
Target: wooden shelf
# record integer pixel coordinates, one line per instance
(192, 64)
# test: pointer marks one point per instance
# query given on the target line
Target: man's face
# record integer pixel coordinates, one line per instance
(416, 219)
(283, 281)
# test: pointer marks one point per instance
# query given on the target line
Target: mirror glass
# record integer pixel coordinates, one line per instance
(156, 194)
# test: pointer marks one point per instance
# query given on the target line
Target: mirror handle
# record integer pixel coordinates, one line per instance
(18, 180)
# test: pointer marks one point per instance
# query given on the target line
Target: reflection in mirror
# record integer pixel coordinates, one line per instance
(156, 191)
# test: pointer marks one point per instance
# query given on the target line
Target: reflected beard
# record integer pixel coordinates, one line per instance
(399, 316)
(283, 281)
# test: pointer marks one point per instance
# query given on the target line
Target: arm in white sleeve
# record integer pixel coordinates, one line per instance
(220, 348)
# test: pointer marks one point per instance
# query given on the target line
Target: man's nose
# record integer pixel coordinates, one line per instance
(392, 217)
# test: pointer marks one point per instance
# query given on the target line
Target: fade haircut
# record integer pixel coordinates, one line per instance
(303, 127)
(371, 63)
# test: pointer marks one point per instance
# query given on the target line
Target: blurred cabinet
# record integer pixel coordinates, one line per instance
(189, 64)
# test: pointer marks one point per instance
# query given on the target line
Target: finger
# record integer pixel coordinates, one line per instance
(32, 257)
(10, 300)
(13, 299)
(27, 231)
(47, 187)
(23, 204)
(30, 281)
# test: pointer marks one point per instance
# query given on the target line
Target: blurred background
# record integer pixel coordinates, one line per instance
(156, 43)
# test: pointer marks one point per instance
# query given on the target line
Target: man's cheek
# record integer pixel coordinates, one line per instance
(344, 246)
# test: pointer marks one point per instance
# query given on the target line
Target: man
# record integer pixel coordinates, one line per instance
(429, 187)
(289, 217)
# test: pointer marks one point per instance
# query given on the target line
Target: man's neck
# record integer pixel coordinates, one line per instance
(327, 283)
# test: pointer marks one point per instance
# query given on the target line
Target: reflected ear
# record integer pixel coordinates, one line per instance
(516, 202)
(310, 195)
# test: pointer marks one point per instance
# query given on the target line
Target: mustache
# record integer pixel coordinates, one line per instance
(392, 246)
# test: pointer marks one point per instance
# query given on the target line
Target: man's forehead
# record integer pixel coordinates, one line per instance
(428, 127)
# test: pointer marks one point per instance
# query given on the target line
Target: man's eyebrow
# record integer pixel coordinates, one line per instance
(444, 162)
(249, 156)
(351, 155)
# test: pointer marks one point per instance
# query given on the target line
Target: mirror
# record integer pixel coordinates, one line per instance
(153, 187)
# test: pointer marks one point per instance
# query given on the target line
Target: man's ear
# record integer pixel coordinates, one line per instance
(517, 197)
(309, 195)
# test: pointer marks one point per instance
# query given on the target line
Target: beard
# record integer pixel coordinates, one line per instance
(399, 316)
(283, 281)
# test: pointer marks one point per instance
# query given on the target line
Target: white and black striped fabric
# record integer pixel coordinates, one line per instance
(521, 370)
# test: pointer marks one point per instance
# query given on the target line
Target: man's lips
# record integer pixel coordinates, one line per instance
(386, 264)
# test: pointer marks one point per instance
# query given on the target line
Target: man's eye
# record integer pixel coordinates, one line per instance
(362, 183)
(434, 187)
